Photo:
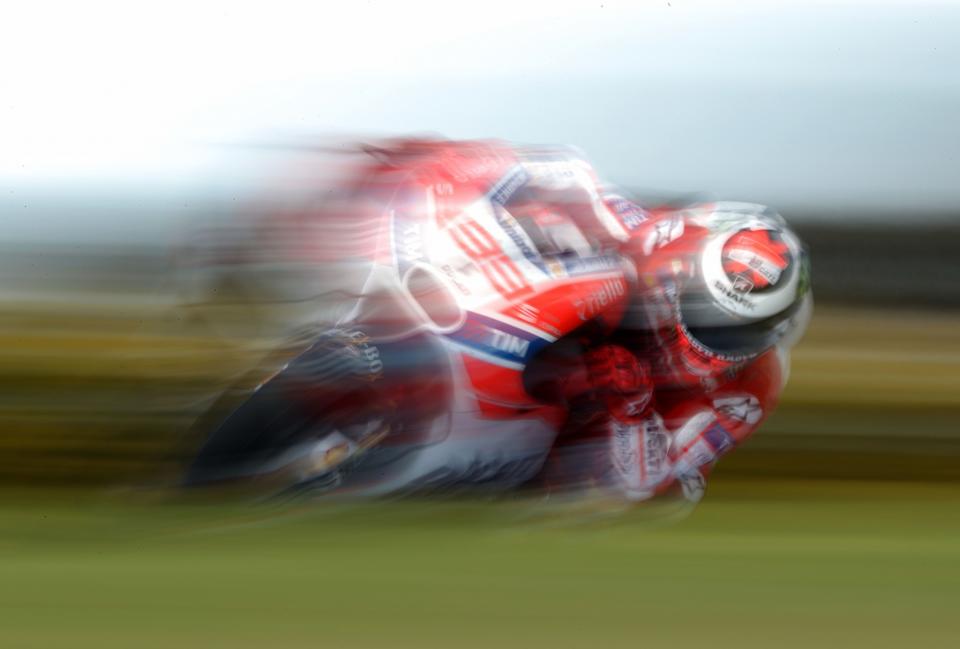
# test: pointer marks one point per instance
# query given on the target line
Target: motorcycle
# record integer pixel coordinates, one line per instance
(477, 289)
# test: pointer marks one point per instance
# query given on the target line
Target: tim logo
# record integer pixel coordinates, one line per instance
(510, 344)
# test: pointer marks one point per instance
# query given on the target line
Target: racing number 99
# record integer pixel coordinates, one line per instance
(483, 249)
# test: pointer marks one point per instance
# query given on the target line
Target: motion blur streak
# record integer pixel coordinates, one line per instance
(136, 341)
(112, 353)
(160, 171)
(433, 316)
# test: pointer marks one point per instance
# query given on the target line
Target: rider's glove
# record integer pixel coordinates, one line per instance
(639, 459)
(621, 381)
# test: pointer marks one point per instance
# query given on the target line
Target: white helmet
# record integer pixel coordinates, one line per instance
(751, 287)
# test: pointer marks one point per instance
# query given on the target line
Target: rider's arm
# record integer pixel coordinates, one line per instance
(636, 463)
(705, 427)
(651, 450)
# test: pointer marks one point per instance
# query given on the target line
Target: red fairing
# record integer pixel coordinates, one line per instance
(517, 296)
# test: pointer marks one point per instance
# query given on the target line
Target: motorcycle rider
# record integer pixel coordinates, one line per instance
(700, 357)
(639, 345)
(655, 394)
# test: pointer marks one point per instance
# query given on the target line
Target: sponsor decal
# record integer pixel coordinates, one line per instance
(626, 452)
(338, 355)
(609, 292)
(576, 266)
(454, 276)
(767, 269)
(742, 284)
(554, 173)
(493, 338)
(699, 454)
(407, 242)
(705, 353)
(636, 404)
(670, 291)
(501, 192)
(744, 408)
(639, 452)
(510, 226)
(733, 296)
(528, 312)
(664, 231)
(718, 438)
(655, 442)
(480, 246)
(464, 168)
(631, 215)
(692, 429)
(509, 343)
(368, 353)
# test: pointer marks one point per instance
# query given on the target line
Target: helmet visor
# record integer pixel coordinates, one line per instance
(737, 337)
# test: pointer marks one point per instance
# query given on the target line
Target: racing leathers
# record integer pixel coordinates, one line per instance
(659, 409)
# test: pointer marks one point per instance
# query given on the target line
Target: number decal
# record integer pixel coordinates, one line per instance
(483, 249)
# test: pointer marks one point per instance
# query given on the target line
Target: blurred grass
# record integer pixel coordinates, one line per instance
(781, 552)
(873, 394)
(760, 564)
(107, 394)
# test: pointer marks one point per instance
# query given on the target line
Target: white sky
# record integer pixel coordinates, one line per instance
(807, 104)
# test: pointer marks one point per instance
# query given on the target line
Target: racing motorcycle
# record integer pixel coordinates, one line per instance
(482, 278)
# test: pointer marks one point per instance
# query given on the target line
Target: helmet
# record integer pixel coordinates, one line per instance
(750, 288)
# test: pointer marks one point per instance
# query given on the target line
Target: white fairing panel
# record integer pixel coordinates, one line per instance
(494, 454)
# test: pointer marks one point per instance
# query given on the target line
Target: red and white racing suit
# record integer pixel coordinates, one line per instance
(670, 408)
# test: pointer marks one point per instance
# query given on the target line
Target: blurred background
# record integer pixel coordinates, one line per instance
(124, 129)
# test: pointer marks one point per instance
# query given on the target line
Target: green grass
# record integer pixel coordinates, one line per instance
(763, 562)
(759, 564)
